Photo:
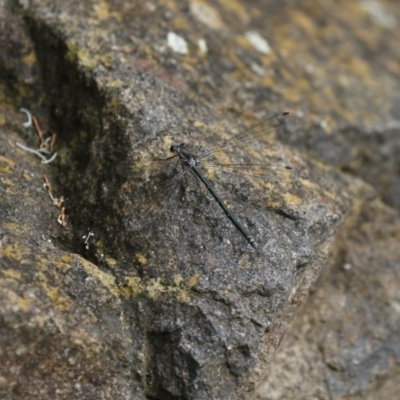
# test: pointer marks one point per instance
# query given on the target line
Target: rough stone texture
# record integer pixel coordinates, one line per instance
(173, 302)
(62, 331)
(346, 343)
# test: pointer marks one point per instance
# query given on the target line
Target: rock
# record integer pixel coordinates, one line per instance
(183, 305)
(346, 342)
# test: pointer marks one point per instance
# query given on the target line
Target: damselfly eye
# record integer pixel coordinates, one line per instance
(172, 149)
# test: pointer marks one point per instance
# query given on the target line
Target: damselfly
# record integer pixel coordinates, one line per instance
(192, 163)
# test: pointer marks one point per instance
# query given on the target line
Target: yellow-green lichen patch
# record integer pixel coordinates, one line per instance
(132, 287)
(141, 258)
(155, 288)
(170, 4)
(178, 279)
(13, 251)
(86, 58)
(180, 24)
(183, 297)
(303, 21)
(331, 195)
(67, 258)
(113, 83)
(30, 59)
(292, 199)
(193, 280)
(273, 204)
(13, 301)
(5, 160)
(35, 269)
(106, 279)
(306, 183)
(16, 227)
(106, 60)
(112, 262)
(103, 13)
(72, 53)
(207, 14)
(12, 274)
(238, 8)
(63, 303)
(243, 42)
(6, 181)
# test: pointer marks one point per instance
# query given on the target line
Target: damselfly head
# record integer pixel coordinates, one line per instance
(177, 148)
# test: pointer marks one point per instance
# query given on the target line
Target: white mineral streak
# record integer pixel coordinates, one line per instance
(177, 43)
(258, 42)
(379, 13)
(202, 46)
